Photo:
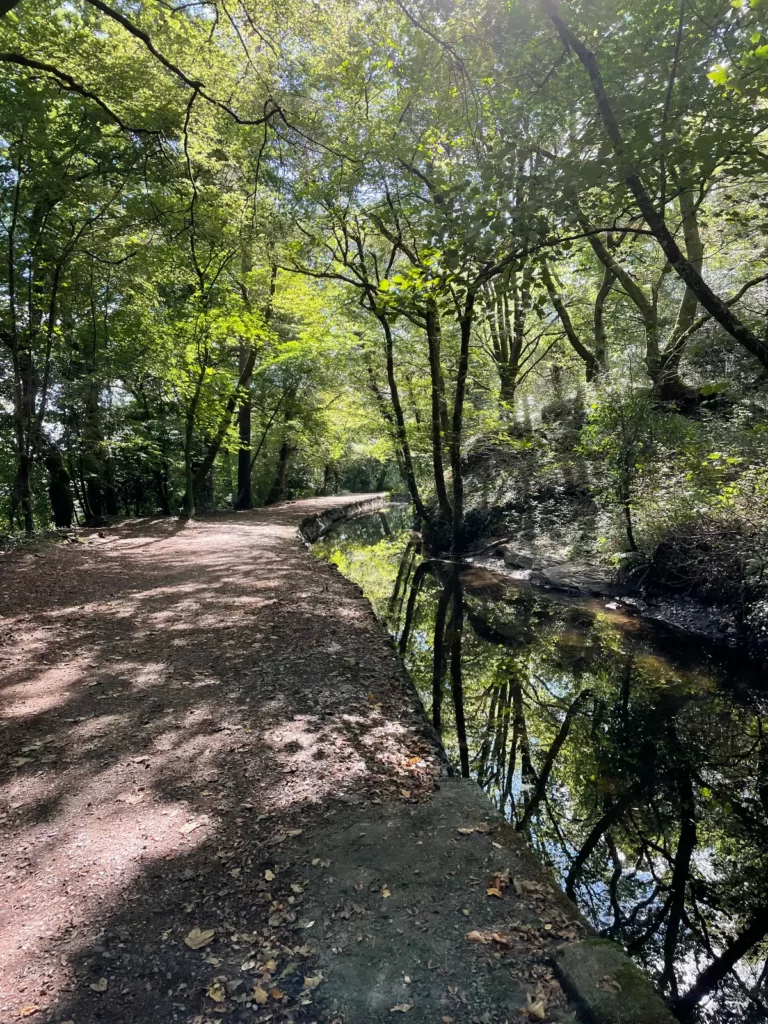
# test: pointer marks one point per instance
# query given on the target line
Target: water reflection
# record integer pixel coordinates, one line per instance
(636, 765)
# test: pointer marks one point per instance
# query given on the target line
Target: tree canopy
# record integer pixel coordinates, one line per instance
(259, 250)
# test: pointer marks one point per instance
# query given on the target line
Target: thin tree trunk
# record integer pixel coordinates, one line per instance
(589, 358)
(457, 533)
(680, 873)
(439, 429)
(226, 421)
(608, 820)
(549, 761)
(457, 686)
(711, 976)
(244, 495)
(401, 432)
(438, 658)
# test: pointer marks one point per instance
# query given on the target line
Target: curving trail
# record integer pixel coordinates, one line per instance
(201, 726)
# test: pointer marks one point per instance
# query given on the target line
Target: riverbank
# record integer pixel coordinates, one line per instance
(220, 800)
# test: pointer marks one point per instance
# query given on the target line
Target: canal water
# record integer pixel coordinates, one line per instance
(634, 759)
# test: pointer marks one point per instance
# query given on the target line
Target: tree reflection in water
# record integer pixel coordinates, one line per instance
(635, 763)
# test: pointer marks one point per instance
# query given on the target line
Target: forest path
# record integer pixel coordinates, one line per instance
(203, 727)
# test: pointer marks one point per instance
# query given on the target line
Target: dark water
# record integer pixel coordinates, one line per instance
(634, 760)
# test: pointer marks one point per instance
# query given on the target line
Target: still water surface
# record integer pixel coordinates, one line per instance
(633, 759)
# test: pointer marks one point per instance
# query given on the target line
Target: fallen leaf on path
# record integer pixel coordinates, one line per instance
(130, 798)
(199, 937)
(477, 937)
(493, 891)
(216, 992)
(259, 995)
(276, 993)
(17, 762)
(465, 831)
(27, 1011)
(401, 1008)
(99, 986)
(499, 880)
(536, 1009)
(385, 892)
(269, 875)
(608, 984)
(312, 981)
(191, 826)
(295, 831)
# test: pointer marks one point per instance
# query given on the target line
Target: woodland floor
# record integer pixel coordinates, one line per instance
(218, 799)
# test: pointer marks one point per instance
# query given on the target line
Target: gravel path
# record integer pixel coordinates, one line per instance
(199, 725)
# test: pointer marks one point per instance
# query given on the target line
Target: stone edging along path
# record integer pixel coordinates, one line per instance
(600, 982)
(219, 801)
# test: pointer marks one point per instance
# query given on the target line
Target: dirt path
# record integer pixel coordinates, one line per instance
(202, 727)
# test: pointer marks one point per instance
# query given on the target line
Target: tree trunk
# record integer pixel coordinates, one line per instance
(22, 491)
(591, 362)
(277, 491)
(60, 491)
(457, 532)
(439, 417)
(438, 658)
(457, 686)
(401, 432)
(244, 497)
(711, 976)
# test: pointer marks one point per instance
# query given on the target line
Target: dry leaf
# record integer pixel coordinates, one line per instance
(608, 984)
(483, 827)
(295, 831)
(199, 937)
(276, 993)
(99, 986)
(401, 1008)
(536, 1009)
(385, 892)
(191, 826)
(216, 992)
(493, 891)
(296, 888)
(476, 937)
(130, 798)
(465, 831)
(447, 1020)
(259, 995)
(27, 1011)
(269, 875)
(17, 762)
(235, 872)
(503, 940)
(313, 981)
